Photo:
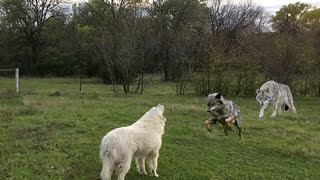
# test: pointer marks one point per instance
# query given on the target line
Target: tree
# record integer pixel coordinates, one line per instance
(122, 38)
(26, 19)
(288, 19)
(172, 19)
(233, 26)
(296, 27)
(229, 19)
(311, 56)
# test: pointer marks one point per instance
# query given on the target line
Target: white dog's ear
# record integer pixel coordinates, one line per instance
(160, 107)
(257, 91)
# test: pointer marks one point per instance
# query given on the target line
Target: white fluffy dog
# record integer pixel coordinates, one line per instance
(141, 140)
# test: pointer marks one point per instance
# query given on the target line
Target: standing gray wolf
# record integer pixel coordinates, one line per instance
(277, 94)
(141, 140)
(223, 111)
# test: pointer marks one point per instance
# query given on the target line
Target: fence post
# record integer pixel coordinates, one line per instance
(17, 79)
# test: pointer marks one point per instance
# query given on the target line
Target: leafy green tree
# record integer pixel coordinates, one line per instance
(297, 27)
(290, 17)
(288, 25)
(172, 20)
(311, 25)
(26, 19)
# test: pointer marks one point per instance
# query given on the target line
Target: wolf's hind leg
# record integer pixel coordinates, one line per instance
(293, 109)
(289, 105)
(225, 129)
(239, 128)
(290, 101)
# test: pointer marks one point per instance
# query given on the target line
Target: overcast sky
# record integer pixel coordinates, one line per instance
(274, 5)
(271, 5)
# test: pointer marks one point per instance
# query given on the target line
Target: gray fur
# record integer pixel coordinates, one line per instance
(276, 93)
(223, 111)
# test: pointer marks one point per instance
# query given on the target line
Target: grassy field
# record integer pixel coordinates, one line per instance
(52, 131)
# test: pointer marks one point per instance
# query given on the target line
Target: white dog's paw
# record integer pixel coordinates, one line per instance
(261, 117)
(141, 171)
(273, 115)
(153, 173)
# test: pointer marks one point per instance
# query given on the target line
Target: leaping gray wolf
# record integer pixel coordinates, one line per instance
(140, 141)
(276, 93)
(223, 111)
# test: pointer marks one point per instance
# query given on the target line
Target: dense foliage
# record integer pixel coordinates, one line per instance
(221, 46)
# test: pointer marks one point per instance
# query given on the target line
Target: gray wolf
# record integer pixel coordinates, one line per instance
(140, 141)
(223, 111)
(276, 93)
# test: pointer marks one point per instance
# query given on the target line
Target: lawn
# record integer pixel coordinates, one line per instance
(52, 131)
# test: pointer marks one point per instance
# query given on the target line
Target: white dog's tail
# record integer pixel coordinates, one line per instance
(107, 163)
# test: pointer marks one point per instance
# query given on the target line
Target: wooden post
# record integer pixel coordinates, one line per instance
(17, 79)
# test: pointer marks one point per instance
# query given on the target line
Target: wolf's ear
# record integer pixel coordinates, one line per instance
(218, 96)
(267, 90)
(257, 91)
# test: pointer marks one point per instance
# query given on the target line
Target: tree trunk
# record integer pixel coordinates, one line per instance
(166, 71)
(142, 85)
(306, 86)
(80, 81)
(126, 87)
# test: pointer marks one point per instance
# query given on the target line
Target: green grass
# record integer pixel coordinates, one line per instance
(52, 131)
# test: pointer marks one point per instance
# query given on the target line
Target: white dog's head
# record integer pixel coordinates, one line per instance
(156, 113)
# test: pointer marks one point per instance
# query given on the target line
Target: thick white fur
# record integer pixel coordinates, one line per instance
(141, 140)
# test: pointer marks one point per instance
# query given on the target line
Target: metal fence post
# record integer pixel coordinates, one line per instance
(17, 79)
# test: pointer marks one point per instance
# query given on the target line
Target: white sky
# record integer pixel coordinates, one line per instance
(274, 5)
(271, 5)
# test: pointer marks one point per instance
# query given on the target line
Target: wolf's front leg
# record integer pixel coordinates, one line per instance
(262, 111)
(225, 129)
(207, 124)
(275, 107)
(239, 128)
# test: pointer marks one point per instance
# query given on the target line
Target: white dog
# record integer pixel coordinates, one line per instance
(141, 140)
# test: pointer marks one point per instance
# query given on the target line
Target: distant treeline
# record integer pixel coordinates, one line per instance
(222, 46)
